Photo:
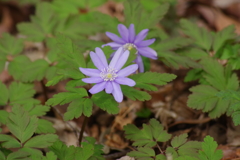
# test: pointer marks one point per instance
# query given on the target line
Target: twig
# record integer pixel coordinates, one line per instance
(160, 149)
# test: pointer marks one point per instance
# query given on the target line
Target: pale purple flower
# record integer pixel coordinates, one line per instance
(130, 40)
(109, 77)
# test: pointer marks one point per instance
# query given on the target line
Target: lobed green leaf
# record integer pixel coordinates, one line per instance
(135, 94)
(209, 150)
(66, 97)
(78, 107)
(145, 80)
(41, 141)
(148, 136)
(106, 102)
(20, 124)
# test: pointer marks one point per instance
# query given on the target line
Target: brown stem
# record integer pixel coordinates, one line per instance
(44, 90)
(82, 130)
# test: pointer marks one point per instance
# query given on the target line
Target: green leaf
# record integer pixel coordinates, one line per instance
(193, 53)
(75, 83)
(70, 51)
(145, 153)
(218, 76)
(171, 152)
(63, 152)
(224, 35)
(41, 141)
(17, 67)
(144, 113)
(50, 156)
(20, 93)
(200, 35)
(54, 80)
(3, 116)
(2, 62)
(5, 151)
(78, 107)
(34, 152)
(4, 94)
(193, 74)
(66, 97)
(135, 94)
(174, 60)
(204, 98)
(20, 124)
(209, 151)
(161, 157)
(9, 142)
(19, 155)
(85, 152)
(190, 148)
(64, 8)
(179, 140)
(97, 152)
(42, 24)
(106, 102)
(2, 156)
(186, 158)
(44, 126)
(96, 3)
(10, 45)
(134, 13)
(172, 43)
(37, 110)
(35, 71)
(148, 136)
(145, 80)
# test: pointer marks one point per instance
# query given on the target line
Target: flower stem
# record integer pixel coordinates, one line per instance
(82, 130)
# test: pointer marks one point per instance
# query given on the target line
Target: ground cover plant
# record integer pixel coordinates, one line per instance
(82, 80)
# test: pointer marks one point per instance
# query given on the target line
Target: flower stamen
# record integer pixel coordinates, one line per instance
(108, 74)
(129, 46)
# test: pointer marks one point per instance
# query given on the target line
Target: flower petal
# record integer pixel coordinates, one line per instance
(116, 57)
(113, 45)
(123, 32)
(109, 87)
(115, 38)
(131, 30)
(101, 56)
(147, 52)
(141, 36)
(98, 87)
(122, 60)
(140, 63)
(96, 61)
(125, 81)
(92, 80)
(145, 43)
(117, 92)
(128, 70)
(90, 72)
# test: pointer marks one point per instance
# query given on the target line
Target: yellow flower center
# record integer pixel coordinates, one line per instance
(130, 46)
(109, 75)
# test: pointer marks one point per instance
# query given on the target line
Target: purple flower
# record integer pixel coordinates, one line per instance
(109, 77)
(130, 40)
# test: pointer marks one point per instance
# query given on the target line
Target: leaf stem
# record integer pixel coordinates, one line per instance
(82, 130)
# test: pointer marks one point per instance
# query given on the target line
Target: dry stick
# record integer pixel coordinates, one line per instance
(82, 130)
